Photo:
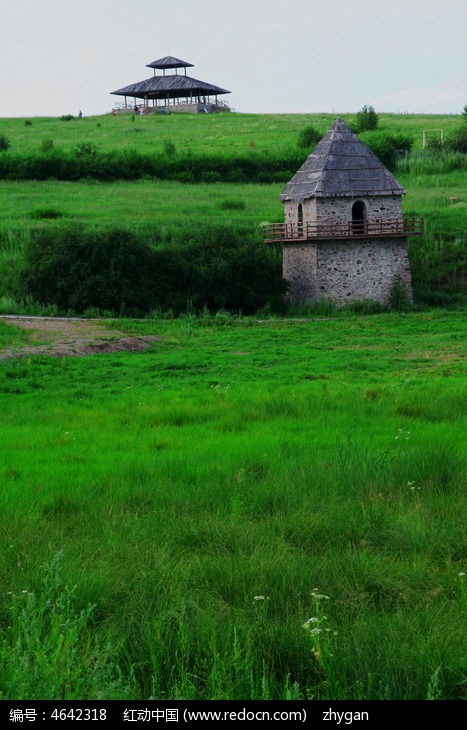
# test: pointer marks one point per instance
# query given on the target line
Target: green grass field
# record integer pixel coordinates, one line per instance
(198, 134)
(248, 510)
(153, 203)
(435, 182)
(139, 205)
(253, 508)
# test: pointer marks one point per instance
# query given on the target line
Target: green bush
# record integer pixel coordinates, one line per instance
(47, 213)
(457, 139)
(309, 136)
(84, 149)
(366, 119)
(232, 204)
(77, 269)
(388, 148)
(398, 298)
(116, 270)
(47, 145)
(87, 162)
(169, 148)
(4, 143)
(218, 268)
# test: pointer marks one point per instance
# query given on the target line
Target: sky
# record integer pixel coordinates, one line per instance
(275, 56)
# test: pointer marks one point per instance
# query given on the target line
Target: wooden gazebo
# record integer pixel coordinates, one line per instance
(171, 90)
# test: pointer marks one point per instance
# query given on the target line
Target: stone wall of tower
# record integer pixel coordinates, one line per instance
(346, 271)
(339, 210)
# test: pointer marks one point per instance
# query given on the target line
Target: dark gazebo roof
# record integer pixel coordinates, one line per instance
(173, 87)
(341, 165)
(169, 62)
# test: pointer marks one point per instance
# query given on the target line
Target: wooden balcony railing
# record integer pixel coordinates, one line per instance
(284, 232)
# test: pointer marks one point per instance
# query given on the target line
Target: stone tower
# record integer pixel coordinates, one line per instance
(344, 235)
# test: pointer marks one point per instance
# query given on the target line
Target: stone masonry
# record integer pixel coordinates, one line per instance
(339, 210)
(345, 270)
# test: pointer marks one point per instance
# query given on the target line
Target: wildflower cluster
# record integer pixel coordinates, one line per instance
(220, 389)
(314, 625)
(401, 434)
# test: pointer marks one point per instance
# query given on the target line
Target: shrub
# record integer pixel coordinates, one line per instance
(115, 270)
(47, 145)
(86, 161)
(78, 269)
(388, 148)
(169, 148)
(309, 137)
(398, 298)
(46, 213)
(231, 204)
(366, 119)
(84, 149)
(4, 143)
(218, 268)
(457, 139)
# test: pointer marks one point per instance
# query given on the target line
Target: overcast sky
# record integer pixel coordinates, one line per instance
(275, 56)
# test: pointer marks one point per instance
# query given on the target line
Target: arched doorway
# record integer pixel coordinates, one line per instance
(300, 219)
(358, 217)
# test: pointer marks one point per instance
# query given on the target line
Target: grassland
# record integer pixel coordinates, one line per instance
(140, 205)
(251, 508)
(149, 204)
(248, 510)
(435, 183)
(223, 133)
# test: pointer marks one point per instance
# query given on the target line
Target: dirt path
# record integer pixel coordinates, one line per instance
(60, 337)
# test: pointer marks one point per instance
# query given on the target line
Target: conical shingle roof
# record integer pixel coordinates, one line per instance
(341, 165)
(169, 62)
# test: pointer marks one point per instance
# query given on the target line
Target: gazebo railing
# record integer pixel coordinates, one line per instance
(283, 232)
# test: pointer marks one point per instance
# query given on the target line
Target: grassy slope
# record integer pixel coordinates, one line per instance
(156, 205)
(141, 204)
(198, 134)
(223, 134)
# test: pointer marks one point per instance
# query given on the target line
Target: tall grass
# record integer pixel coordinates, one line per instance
(431, 162)
(208, 494)
(49, 650)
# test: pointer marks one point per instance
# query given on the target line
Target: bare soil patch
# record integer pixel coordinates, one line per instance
(60, 337)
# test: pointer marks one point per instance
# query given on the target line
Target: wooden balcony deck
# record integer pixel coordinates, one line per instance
(291, 233)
